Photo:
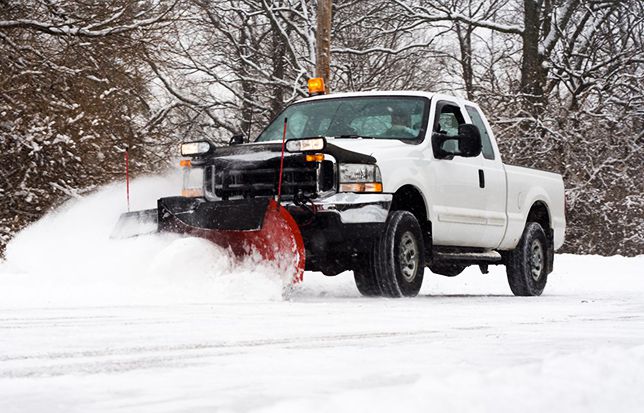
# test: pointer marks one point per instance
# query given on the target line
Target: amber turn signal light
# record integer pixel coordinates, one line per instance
(315, 157)
(185, 163)
(191, 192)
(361, 187)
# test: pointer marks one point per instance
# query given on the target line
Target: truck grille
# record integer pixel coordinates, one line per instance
(225, 180)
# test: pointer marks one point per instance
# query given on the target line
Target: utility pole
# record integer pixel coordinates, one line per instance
(323, 42)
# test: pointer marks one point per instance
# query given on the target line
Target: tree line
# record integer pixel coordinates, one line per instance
(82, 80)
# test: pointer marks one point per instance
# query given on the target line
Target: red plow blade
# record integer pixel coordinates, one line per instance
(249, 228)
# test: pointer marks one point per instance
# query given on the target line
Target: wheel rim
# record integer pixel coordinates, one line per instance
(536, 260)
(408, 256)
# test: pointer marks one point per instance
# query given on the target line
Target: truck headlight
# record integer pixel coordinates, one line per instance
(192, 180)
(306, 145)
(360, 178)
(195, 148)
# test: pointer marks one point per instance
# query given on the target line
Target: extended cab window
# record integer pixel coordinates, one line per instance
(488, 151)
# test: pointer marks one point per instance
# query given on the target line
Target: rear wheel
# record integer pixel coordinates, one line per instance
(398, 256)
(526, 264)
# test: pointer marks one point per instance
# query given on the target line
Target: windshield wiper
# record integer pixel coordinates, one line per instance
(354, 137)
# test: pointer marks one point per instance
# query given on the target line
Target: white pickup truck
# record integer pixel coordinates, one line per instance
(387, 183)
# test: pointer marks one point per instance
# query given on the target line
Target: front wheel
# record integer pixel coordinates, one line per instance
(366, 283)
(398, 256)
(526, 264)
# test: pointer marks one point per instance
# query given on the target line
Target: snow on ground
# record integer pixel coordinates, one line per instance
(172, 324)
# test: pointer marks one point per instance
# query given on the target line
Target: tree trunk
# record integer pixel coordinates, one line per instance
(279, 70)
(248, 90)
(464, 32)
(323, 42)
(533, 75)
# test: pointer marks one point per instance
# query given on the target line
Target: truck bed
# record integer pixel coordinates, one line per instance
(525, 186)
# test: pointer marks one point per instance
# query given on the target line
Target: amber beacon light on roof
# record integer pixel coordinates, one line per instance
(316, 86)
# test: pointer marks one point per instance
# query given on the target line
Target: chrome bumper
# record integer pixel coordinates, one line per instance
(352, 208)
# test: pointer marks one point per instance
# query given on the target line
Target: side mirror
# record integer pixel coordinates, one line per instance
(469, 141)
(443, 145)
(236, 140)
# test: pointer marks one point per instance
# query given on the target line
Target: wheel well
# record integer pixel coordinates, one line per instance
(408, 198)
(539, 213)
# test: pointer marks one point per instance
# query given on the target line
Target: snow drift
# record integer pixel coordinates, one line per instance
(67, 258)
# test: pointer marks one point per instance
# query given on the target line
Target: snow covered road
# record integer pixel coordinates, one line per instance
(464, 345)
(170, 324)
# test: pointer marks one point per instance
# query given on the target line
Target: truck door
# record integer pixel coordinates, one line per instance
(456, 196)
(494, 190)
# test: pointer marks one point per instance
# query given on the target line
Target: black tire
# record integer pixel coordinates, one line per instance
(366, 283)
(526, 265)
(398, 256)
(448, 270)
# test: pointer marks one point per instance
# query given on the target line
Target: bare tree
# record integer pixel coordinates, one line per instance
(61, 68)
(258, 56)
(561, 82)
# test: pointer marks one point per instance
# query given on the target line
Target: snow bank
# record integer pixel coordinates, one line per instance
(68, 259)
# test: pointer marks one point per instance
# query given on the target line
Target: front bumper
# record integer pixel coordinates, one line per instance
(341, 229)
(350, 208)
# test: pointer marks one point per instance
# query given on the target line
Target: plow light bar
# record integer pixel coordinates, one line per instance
(306, 145)
(195, 148)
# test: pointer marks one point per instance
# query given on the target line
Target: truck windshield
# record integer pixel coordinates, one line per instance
(374, 117)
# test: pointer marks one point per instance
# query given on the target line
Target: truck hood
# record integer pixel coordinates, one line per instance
(371, 147)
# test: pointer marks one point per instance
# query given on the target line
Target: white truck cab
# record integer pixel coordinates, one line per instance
(471, 201)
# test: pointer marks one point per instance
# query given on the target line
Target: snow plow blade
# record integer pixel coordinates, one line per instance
(132, 224)
(248, 227)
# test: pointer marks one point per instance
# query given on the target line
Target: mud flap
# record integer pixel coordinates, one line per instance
(258, 226)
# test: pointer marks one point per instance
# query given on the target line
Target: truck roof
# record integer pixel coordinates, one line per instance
(428, 95)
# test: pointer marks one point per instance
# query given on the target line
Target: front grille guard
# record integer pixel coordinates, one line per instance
(226, 182)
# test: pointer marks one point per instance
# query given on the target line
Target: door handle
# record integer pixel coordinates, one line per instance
(481, 178)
